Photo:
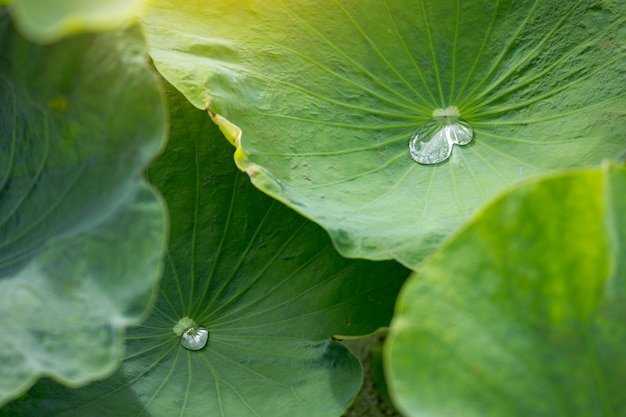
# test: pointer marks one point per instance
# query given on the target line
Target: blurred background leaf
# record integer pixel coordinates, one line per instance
(81, 233)
(49, 21)
(524, 311)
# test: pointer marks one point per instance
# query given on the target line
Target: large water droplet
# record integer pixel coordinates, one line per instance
(192, 336)
(432, 142)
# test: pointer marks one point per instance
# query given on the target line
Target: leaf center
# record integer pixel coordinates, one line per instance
(192, 336)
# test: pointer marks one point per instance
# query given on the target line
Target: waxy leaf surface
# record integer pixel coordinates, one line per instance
(328, 93)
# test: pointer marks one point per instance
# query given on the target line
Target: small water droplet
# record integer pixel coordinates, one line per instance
(432, 142)
(194, 338)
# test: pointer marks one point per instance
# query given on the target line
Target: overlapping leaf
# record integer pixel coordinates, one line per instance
(328, 94)
(523, 312)
(266, 283)
(81, 234)
(48, 21)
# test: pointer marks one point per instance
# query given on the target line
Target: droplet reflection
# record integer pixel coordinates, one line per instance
(194, 338)
(432, 142)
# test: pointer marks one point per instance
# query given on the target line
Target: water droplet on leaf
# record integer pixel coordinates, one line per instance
(194, 338)
(432, 142)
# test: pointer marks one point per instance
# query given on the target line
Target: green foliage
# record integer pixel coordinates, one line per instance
(521, 313)
(48, 21)
(265, 282)
(81, 234)
(328, 94)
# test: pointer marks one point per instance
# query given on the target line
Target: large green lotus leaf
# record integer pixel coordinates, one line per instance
(523, 313)
(81, 234)
(266, 283)
(328, 93)
(50, 20)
